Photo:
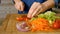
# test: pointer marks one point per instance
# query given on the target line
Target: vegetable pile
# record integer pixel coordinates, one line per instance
(47, 21)
(40, 24)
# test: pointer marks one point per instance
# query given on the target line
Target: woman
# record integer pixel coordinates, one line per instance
(34, 7)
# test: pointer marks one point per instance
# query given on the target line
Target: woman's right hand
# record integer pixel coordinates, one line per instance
(19, 6)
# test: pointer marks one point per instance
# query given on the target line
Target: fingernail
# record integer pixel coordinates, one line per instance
(29, 16)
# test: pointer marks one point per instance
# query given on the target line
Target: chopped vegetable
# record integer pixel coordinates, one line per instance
(47, 21)
(50, 16)
(22, 19)
(44, 21)
(56, 24)
(32, 19)
(40, 24)
(22, 27)
(19, 18)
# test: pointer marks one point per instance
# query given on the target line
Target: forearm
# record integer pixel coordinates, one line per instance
(48, 4)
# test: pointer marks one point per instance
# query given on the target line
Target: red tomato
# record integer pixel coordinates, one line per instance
(57, 20)
(56, 24)
(24, 18)
(19, 18)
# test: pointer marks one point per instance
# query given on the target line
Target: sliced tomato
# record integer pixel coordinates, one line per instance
(19, 18)
(22, 18)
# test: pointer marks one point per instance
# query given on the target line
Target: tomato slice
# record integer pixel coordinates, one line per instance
(24, 18)
(19, 18)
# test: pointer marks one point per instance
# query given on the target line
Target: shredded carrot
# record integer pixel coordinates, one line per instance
(40, 24)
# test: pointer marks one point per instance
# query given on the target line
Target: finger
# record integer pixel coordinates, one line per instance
(36, 11)
(42, 9)
(22, 6)
(32, 9)
(17, 6)
(33, 6)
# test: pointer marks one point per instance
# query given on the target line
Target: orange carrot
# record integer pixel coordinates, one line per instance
(39, 24)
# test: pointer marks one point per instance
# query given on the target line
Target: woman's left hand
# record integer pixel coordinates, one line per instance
(35, 9)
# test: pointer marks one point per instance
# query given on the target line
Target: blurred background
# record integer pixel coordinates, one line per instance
(7, 7)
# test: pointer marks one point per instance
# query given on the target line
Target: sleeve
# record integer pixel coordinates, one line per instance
(13, 1)
(59, 1)
(59, 4)
(56, 3)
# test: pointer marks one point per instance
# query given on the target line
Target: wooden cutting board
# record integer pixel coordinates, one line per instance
(9, 26)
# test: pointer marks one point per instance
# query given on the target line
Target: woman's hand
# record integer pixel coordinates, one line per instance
(35, 9)
(19, 5)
